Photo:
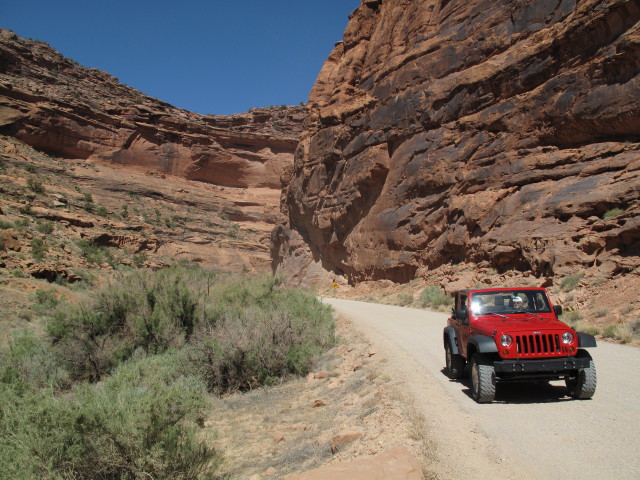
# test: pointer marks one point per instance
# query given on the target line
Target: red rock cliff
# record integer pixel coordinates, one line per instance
(55, 105)
(495, 132)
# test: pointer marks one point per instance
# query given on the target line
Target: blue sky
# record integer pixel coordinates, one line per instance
(217, 57)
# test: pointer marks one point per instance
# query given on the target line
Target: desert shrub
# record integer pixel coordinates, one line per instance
(609, 331)
(94, 253)
(143, 422)
(149, 310)
(35, 185)
(570, 282)
(585, 327)
(38, 249)
(28, 363)
(240, 331)
(572, 316)
(627, 309)
(4, 225)
(102, 211)
(259, 332)
(26, 209)
(613, 213)
(623, 332)
(601, 312)
(45, 227)
(403, 299)
(433, 297)
(45, 301)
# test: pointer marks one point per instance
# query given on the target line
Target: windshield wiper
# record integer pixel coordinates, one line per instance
(497, 314)
(525, 312)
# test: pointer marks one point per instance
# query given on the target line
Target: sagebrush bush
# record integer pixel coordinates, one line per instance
(140, 423)
(570, 282)
(149, 310)
(27, 363)
(572, 316)
(403, 299)
(251, 341)
(434, 297)
(241, 332)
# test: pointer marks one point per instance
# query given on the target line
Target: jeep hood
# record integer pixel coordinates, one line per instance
(520, 322)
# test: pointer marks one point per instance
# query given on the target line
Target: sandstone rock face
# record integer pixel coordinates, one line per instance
(56, 106)
(447, 131)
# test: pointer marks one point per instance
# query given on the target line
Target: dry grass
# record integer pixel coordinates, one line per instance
(277, 431)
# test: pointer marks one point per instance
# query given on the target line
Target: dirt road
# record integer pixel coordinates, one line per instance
(531, 431)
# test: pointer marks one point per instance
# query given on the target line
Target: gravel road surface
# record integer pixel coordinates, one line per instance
(531, 431)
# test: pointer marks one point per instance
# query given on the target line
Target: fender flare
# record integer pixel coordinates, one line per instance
(585, 340)
(449, 335)
(483, 343)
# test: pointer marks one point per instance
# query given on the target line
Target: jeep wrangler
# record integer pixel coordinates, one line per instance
(513, 334)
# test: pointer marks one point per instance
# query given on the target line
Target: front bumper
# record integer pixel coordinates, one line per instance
(552, 366)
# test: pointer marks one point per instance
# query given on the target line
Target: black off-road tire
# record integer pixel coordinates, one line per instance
(483, 383)
(454, 363)
(583, 385)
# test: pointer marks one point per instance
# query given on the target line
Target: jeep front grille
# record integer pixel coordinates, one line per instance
(548, 343)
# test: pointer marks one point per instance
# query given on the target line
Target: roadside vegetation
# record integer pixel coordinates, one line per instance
(430, 298)
(121, 382)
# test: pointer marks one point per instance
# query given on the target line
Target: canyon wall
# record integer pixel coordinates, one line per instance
(54, 105)
(503, 134)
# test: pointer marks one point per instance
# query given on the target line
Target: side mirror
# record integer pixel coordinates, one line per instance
(462, 314)
(557, 309)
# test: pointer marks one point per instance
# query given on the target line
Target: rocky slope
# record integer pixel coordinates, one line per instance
(448, 132)
(56, 106)
(96, 176)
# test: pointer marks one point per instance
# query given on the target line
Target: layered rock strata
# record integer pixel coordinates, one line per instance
(494, 132)
(56, 106)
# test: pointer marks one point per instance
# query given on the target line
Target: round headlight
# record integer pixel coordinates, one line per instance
(567, 337)
(505, 340)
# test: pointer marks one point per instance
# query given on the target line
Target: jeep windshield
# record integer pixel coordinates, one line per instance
(512, 301)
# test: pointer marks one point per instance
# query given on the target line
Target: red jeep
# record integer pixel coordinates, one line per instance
(513, 334)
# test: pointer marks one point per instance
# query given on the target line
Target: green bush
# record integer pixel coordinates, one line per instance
(27, 363)
(35, 185)
(45, 301)
(570, 282)
(102, 211)
(571, 316)
(433, 297)
(610, 330)
(93, 253)
(45, 227)
(240, 331)
(143, 422)
(585, 327)
(38, 249)
(257, 332)
(613, 213)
